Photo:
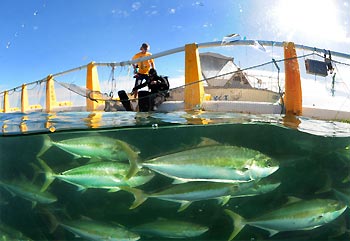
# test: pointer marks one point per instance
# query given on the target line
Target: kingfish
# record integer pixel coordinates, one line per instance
(298, 215)
(92, 230)
(170, 229)
(186, 193)
(216, 163)
(104, 175)
(28, 191)
(97, 147)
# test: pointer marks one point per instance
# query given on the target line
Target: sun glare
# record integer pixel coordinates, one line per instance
(311, 18)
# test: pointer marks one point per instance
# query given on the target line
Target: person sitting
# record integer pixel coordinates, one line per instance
(158, 90)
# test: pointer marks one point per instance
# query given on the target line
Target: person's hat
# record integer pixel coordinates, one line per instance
(145, 46)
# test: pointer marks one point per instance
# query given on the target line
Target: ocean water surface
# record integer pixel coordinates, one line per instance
(300, 192)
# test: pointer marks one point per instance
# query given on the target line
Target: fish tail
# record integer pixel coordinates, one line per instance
(49, 174)
(47, 143)
(134, 168)
(139, 195)
(238, 223)
(51, 219)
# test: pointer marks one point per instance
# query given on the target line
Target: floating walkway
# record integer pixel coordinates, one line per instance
(194, 94)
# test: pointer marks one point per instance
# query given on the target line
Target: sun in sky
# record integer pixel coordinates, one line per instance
(312, 18)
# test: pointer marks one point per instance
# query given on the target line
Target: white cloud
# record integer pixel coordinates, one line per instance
(136, 6)
(172, 11)
(120, 13)
(207, 25)
(151, 12)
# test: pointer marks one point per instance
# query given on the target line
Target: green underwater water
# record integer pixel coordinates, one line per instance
(310, 166)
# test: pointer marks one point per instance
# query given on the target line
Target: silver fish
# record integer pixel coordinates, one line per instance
(97, 147)
(170, 229)
(93, 230)
(186, 193)
(216, 163)
(104, 175)
(298, 215)
(28, 191)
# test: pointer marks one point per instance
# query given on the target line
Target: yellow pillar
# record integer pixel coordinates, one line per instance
(293, 93)
(194, 90)
(50, 94)
(6, 102)
(93, 84)
(24, 98)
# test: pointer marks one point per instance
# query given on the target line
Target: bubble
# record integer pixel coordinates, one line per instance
(8, 45)
(35, 13)
(154, 126)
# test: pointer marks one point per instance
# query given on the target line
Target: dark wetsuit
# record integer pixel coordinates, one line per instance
(158, 86)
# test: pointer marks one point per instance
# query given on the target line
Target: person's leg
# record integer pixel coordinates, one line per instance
(157, 101)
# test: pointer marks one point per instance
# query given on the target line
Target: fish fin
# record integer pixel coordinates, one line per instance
(179, 181)
(47, 143)
(274, 232)
(238, 223)
(33, 204)
(223, 200)
(205, 141)
(139, 195)
(346, 179)
(184, 205)
(94, 159)
(81, 189)
(134, 168)
(115, 189)
(50, 218)
(48, 174)
(37, 171)
(292, 199)
(11, 192)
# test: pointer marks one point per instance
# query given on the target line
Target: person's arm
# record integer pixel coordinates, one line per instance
(153, 66)
(139, 86)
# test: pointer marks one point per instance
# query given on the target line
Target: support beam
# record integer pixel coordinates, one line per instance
(93, 84)
(194, 90)
(50, 94)
(293, 93)
(24, 99)
(6, 102)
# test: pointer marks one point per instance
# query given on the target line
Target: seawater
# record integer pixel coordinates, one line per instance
(313, 157)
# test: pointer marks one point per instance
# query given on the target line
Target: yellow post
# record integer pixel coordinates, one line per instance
(6, 102)
(50, 94)
(293, 94)
(194, 90)
(93, 84)
(24, 98)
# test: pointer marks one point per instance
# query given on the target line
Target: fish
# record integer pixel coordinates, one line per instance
(97, 147)
(28, 191)
(170, 229)
(187, 193)
(103, 175)
(94, 230)
(214, 163)
(297, 215)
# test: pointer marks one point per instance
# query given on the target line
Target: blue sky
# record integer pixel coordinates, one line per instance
(42, 37)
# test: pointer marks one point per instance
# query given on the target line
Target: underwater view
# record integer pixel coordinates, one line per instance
(207, 176)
